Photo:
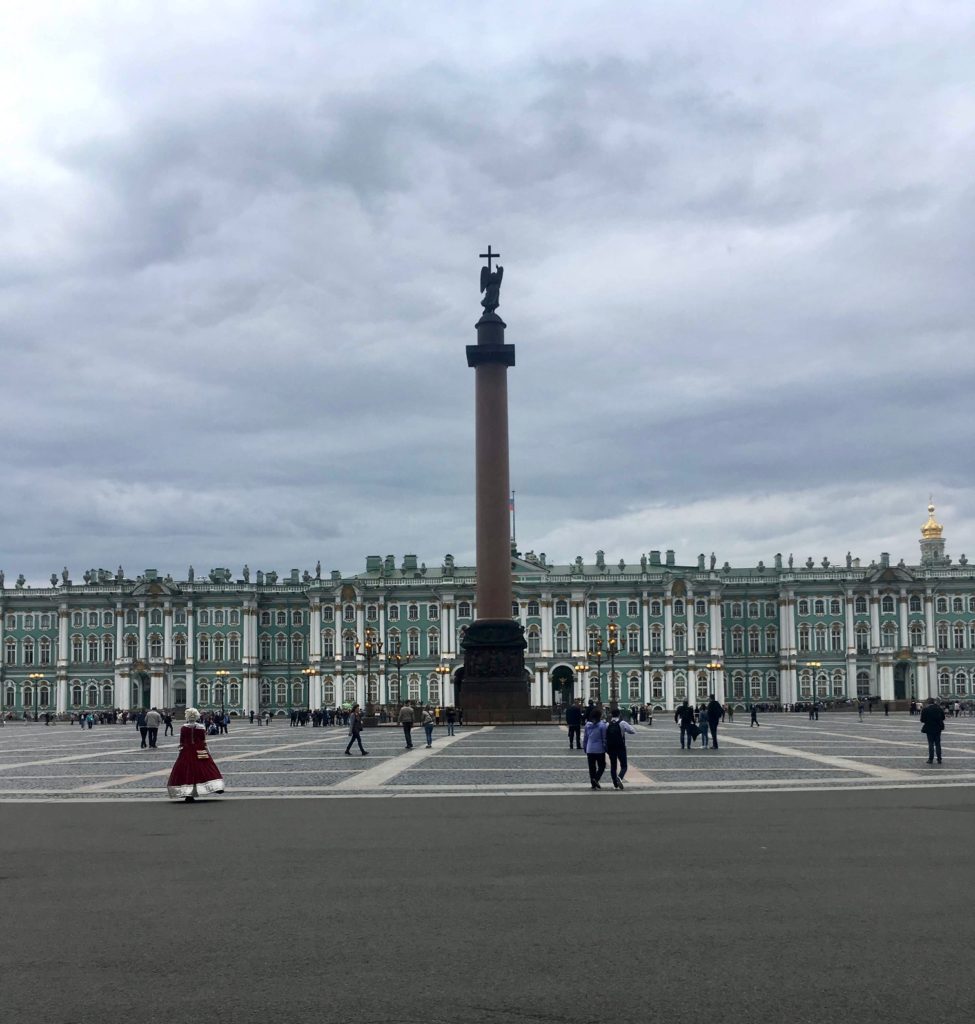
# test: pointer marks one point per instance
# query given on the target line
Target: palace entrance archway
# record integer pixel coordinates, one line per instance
(902, 681)
(562, 678)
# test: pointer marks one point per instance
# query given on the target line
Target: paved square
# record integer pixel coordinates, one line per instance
(66, 762)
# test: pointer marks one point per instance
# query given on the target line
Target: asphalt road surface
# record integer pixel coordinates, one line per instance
(785, 907)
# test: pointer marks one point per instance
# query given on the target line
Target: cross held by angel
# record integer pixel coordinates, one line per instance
(491, 282)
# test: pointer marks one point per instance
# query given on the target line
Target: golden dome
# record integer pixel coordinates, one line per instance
(932, 528)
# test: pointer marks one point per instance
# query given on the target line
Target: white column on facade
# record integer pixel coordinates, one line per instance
(851, 645)
(536, 688)
(315, 640)
(874, 619)
(902, 618)
(61, 700)
(190, 655)
(360, 619)
(548, 629)
(669, 687)
(447, 613)
(168, 632)
(714, 625)
(930, 635)
(691, 639)
(120, 638)
(645, 675)
(143, 648)
(668, 626)
(645, 624)
(575, 610)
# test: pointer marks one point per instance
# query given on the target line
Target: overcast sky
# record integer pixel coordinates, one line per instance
(239, 266)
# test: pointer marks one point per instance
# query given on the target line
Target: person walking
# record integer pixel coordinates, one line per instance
(702, 724)
(594, 742)
(168, 720)
(754, 720)
(932, 725)
(406, 715)
(573, 719)
(194, 773)
(715, 714)
(153, 721)
(429, 721)
(616, 730)
(355, 731)
(140, 724)
(684, 716)
(451, 719)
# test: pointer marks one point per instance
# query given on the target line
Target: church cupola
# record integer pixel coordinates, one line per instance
(932, 543)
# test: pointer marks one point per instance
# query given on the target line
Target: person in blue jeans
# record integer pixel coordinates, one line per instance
(594, 744)
(702, 724)
(932, 725)
(428, 723)
(451, 720)
(685, 716)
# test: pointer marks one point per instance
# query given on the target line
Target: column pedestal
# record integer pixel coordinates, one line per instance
(493, 684)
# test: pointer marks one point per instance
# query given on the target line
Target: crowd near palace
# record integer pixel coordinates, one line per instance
(651, 632)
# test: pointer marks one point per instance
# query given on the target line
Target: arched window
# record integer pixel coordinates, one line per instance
(77, 620)
(834, 606)
(297, 617)
(76, 695)
(10, 651)
(265, 692)
(771, 640)
(204, 646)
(108, 647)
(942, 605)
(328, 644)
(561, 607)
(233, 647)
(863, 684)
(753, 610)
(372, 612)
(203, 692)
(632, 609)
(958, 636)
(838, 683)
(633, 686)
(592, 609)
(328, 613)
(819, 606)
(770, 610)
(655, 607)
(534, 640)
(737, 640)
(44, 696)
(297, 647)
(281, 647)
(944, 684)
(93, 696)
(755, 686)
(633, 640)
(680, 640)
(805, 684)
(754, 640)
(28, 651)
(433, 643)
(348, 645)
(131, 617)
(657, 686)
(957, 604)
(863, 638)
(328, 691)
(179, 693)
(860, 605)
(803, 637)
(803, 607)
(679, 606)
(887, 604)
(413, 642)
(155, 646)
(680, 686)
(820, 634)
(942, 636)
(772, 686)
(656, 639)
(917, 634)
(348, 689)
(280, 693)
(107, 695)
(233, 691)
(93, 648)
(702, 686)
(298, 694)
(464, 610)
(155, 617)
(45, 650)
(613, 609)
(914, 603)
(595, 689)
(413, 686)
(561, 639)
(413, 612)
(592, 639)
(348, 613)
(961, 684)
(700, 607)
(836, 637)
(533, 608)
(738, 685)
(77, 648)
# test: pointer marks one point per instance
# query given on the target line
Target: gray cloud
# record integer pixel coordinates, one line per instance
(241, 269)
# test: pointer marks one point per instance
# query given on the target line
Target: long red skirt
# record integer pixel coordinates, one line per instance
(194, 773)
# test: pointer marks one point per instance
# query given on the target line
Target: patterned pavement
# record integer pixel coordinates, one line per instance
(66, 763)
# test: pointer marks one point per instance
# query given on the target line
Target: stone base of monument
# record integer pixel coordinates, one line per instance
(493, 685)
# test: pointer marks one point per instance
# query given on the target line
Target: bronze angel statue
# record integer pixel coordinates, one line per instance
(491, 286)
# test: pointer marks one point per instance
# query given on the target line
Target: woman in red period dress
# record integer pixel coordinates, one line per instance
(194, 773)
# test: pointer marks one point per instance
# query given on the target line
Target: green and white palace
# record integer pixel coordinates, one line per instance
(653, 631)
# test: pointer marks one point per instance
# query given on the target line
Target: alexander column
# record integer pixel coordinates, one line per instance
(494, 645)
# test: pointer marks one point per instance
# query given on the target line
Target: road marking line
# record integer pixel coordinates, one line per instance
(386, 770)
(877, 771)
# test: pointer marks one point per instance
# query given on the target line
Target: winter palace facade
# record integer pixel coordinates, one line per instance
(655, 631)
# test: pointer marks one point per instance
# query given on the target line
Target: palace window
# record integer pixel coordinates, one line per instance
(888, 634)
(155, 646)
(413, 612)
(971, 635)
(680, 640)
(917, 634)
(594, 687)
(633, 686)
(44, 696)
(328, 613)
(971, 604)
(633, 608)
(679, 606)
(28, 651)
(805, 684)
(942, 636)
(655, 607)
(680, 686)
(348, 613)
(46, 620)
(218, 617)
(45, 649)
(266, 620)
(771, 640)
(394, 612)
(179, 617)
(561, 640)
(413, 642)
(753, 610)
(819, 606)
(281, 647)
(93, 648)
(737, 640)
(860, 605)
(203, 647)
(328, 691)
(77, 620)
(328, 644)
(203, 692)
(803, 637)
(348, 645)
(613, 609)
(701, 639)
(433, 688)
(515, 610)
(887, 604)
(754, 641)
(957, 605)
(803, 607)
(820, 635)
(234, 647)
(281, 618)
(657, 686)
(155, 617)
(702, 686)
(533, 608)
(959, 636)
(944, 684)
(433, 611)
(413, 687)
(219, 648)
(592, 609)
(76, 696)
(656, 640)
(738, 685)
(265, 692)
(203, 617)
(372, 612)
(131, 646)
(942, 605)
(834, 606)
(755, 686)
(770, 610)
(592, 637)
(234, 692)
(863, 684)
(433, 644)
(297, 647)
(561, 607)
(773, 686)
(234, 617)
(77, 649)
(29, 622)
(863, 638)
(836, 637)
(914, 603)
(179, 648)
(633, 640)
(961, 684)
(534, 641)
(298, 694)
(264, 645)
(281, 693)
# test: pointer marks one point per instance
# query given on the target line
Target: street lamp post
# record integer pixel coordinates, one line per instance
(308, 672)
(613, 646)
(36, 679)
(581, 667)
(401, 659)
(597, 656)
(222, 674)
(372, 648)
(444, 672)
(814, 667)
(712, 667)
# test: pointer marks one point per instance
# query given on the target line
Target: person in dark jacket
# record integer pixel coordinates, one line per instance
(932, 725)
(616, 731)
(140, 724)
(684, 715)
(573, 719)
(715, 714)
(355, 731)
